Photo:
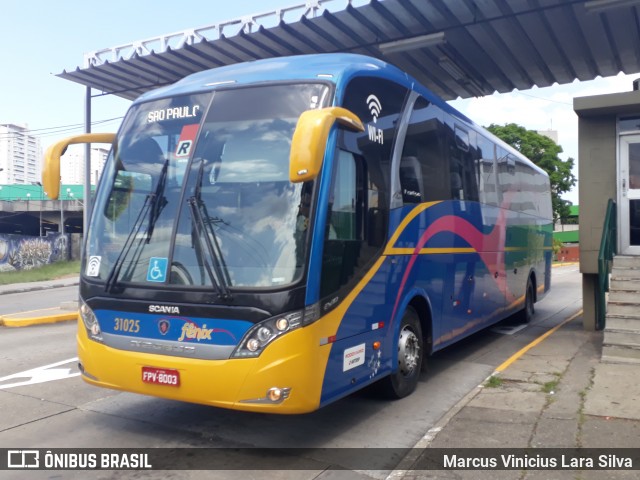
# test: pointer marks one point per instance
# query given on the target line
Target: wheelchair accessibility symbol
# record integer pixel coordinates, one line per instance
(157, 271)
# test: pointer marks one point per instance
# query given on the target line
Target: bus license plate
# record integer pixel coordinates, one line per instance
(161, 376)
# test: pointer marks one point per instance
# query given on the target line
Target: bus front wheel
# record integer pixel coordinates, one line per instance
(410, 346)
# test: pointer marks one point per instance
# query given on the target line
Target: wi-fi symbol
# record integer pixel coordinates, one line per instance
(93, 267)
(374, 107)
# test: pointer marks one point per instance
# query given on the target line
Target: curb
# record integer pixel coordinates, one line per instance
(19, 320)
(404, 466)
(36, 287)
(564, 264)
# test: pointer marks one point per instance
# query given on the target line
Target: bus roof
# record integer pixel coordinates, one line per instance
(337, 68)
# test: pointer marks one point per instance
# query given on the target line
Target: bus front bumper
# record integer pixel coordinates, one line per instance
(293, 364)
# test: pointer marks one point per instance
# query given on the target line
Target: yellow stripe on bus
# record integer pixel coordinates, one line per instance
(405, 221)
(429, 251)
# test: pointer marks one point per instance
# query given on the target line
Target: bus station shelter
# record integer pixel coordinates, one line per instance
(457, 48)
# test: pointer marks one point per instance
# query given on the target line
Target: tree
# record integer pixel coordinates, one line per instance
(544, 153)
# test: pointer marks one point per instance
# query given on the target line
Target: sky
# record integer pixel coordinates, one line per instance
(41, 38)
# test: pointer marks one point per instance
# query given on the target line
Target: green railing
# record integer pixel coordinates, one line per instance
(605, 256)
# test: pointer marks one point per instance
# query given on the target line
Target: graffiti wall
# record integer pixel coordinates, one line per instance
(22, 252)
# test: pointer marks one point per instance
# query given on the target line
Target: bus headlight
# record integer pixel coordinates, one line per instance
(282, 324)
(265, 332)
(90, 322)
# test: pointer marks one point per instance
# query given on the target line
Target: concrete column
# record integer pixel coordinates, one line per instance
(589, 292)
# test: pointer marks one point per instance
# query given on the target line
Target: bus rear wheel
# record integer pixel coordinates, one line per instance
(410, 346)
(526, 314)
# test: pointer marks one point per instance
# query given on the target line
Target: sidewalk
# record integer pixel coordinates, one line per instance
(64, 312)
(557, 394)
(35, 286)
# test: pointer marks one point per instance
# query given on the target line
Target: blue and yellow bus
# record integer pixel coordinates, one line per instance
(274, 235)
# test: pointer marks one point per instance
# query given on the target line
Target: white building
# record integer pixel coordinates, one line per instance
(20, 155)
(552, 134)
(72, 165)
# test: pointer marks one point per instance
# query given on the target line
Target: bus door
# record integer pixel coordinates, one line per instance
(355, 234)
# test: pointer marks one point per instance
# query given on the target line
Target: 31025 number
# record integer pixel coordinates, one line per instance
(126, 325)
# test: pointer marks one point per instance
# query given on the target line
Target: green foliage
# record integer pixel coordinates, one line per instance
(550, 387)
(50, 271)
(544, 152)
(557, 246)
(119, 201)
(493, 382)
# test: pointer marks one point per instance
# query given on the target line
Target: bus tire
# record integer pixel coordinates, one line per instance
(404, 380)
(526, 314)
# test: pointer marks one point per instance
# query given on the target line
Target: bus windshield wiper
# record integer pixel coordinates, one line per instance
(153, 204)
(137, 227)
(204, 230)
(159, 200)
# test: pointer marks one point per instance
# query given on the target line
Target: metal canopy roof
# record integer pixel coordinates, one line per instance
(457, 48)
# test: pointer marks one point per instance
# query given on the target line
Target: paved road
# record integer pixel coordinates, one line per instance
(62, 411)
(27, 301)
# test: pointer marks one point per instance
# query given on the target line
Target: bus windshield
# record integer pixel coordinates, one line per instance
(196, 192)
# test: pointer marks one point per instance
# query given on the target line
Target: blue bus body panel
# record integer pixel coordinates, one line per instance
(206, 331)
(462, 266)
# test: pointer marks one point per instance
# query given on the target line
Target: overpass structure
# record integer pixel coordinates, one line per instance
(26, 210)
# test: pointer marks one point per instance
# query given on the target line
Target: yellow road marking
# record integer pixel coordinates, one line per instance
(538, 340)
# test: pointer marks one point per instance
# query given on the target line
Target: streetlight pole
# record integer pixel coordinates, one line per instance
(61, 229)
(28, 216)
(61, 210)
(40, 222)
(40, 203)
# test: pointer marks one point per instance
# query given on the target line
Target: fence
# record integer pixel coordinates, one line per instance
(23, 252)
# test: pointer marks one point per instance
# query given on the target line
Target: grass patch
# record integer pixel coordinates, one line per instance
(551, 386)
(493, 382)
(51, 271)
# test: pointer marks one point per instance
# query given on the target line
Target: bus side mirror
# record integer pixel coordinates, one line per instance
(310, 137)
(51, 164)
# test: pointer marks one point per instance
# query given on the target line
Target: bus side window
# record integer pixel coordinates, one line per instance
(423, 177)
(345, 213)
(488, 178)
(526, 180)
(506, 173)
(462, 173)
(345, 223)
(411, 180)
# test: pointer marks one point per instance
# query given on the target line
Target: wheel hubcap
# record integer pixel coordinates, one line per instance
(408, 351)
